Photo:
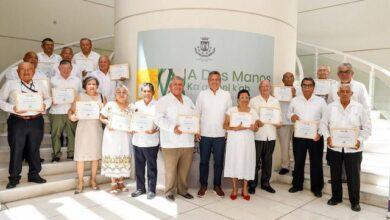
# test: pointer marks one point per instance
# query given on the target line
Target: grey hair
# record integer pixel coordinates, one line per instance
(326, 66)
(176, 77)
(348, 85)
(121, 86)
(348, 65)
(104, 56)
(148, 85)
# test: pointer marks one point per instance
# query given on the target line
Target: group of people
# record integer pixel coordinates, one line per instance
(240, 151)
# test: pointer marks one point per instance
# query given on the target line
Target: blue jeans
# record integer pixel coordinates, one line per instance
(207, 146)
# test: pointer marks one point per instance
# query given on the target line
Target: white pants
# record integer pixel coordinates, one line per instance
(285, 139)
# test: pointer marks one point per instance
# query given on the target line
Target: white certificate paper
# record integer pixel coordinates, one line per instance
(270, 115)
(87, 110)
(188, 124)
(322, 86)
(283, 93)
(305, 129)
(119, 122)
(141, 122)
(29, 102)
(237, 118)
(86, 64)
(344, 137)
(46, 68)
(63, 96)
(119, 71)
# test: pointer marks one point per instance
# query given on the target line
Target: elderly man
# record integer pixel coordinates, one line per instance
(59, 120)
(211, 106)
(345, 114)
(30, 57)
(307, 108)
(67, 54)
(86, 54)
(265, 138)
(25, 128)
(177, 147)
(323, 74)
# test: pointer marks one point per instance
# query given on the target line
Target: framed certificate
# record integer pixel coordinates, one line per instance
(120, 122)
(322, 86)
(344, 137)
(188, 124)
(29, 102)
(86, 65)
(141, 122)
(305, 129)
(270, 115)
(283, 93)
(87, 110)
(119, 71)
(46, 68)
(236, 118)
(63, 96)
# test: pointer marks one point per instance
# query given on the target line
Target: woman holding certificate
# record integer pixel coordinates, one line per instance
(116, 139)
(240, 159)
(89, 132)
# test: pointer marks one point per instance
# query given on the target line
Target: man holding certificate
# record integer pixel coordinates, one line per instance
(306, 112)
(323, 83)
(177, 146)
(270, 118)
(86, 58)
(212, 105)
(345, 125)
(47, 58)
(26, 100)
(64, 89)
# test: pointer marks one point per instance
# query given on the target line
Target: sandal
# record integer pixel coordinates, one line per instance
(79, 188)
(94, 185)
(122, 187)
(114, 188)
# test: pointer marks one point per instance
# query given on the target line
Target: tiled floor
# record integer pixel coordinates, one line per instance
(103, 205)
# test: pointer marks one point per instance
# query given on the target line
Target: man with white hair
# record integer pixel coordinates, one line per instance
(323, 72)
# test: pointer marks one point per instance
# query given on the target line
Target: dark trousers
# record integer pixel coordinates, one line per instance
(24, 136)
(146, 156)
(352, 162)
(315, 148)
(264, 151)
(207, 146)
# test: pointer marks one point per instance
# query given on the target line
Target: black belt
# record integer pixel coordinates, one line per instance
(29, 117)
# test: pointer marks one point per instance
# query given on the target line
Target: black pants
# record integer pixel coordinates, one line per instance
(24, 135)
(207, 146)
(315, 148)
(264, 151)
(146, 156)
(352, 162)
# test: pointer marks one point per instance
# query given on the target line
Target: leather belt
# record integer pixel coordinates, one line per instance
(29, 117)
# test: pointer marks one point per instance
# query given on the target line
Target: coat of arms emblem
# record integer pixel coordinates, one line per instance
(204, 49)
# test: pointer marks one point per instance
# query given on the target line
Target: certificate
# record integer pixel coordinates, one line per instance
(270, 115)
(86, 64)
(87, 110)
(344, 137)
(236, 118)
(322, 86)
(120, 122)
(63, 96)
(29, 102)
(305, 129)
(283, 93)
(119, 71)
(46, 68)
(141, 122)
(188, 124)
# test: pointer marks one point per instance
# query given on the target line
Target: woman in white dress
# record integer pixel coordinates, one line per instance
(240, 159)
(115, 146)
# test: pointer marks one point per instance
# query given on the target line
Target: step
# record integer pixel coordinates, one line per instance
(46, 141)
(369, 194)
(45, 153)
(55, 184)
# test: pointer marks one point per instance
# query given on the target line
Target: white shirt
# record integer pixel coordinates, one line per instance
(106, 85)
(211, 109)
(167, 111)
(353, 116)
(359, 93)
(143, 139)
(54, 58)
(267, 132)
(286, 120)
(71, 82)
(307, 110)
(11, 88)
(76, 70)
(92, 56)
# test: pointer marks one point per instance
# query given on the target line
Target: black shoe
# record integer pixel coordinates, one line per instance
(356, 208)
(41, 160)
(36, 179)
(188, 196)
(283, 171)
(137, 193)
(318, 194)
(329, 181)
(170, 197)
(268, 189)
(294, 190)
(252, 190)
(151, 195)
(55, 159)
(70, 157)
(11, 184)
(333, 202)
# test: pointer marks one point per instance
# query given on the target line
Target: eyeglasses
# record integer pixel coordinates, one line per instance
(344, 72)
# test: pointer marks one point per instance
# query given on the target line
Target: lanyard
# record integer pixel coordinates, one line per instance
(31, 87)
